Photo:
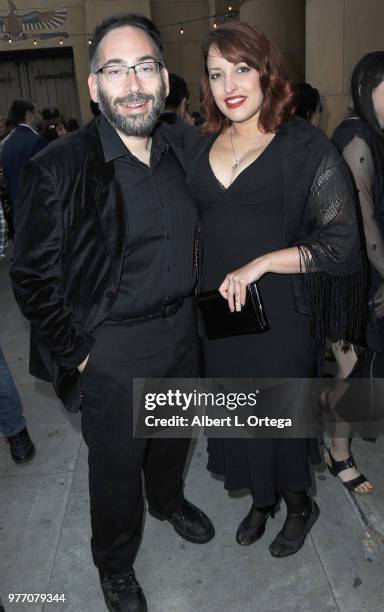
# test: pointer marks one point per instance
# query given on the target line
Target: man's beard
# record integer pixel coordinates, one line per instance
(140, 124)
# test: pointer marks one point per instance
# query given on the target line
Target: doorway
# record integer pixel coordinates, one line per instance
(46, 76)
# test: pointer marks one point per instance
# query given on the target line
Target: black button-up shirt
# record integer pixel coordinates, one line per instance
(161, 219)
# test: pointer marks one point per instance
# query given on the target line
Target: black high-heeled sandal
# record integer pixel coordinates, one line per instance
(281, 546)
(252, 526)
(335, 467)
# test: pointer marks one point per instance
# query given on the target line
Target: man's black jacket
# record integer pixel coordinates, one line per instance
(68, 253)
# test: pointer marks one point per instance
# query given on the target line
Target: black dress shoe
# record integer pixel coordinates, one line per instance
(253, 526)
(283, 547)
(122, 592)
(21, 446)
(189, 522)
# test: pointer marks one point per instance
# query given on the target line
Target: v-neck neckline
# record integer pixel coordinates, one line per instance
(220, 184)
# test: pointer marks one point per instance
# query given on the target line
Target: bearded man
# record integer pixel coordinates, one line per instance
(103, 269)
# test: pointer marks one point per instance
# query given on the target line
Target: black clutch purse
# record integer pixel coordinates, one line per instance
(220, 322)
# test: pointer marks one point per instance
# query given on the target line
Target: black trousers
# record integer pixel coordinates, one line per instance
(158, 348)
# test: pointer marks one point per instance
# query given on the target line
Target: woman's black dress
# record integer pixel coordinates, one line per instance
(238, 224)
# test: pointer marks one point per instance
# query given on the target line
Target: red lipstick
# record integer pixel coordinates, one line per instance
(234, 101)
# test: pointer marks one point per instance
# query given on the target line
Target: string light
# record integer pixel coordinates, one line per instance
(230, 13)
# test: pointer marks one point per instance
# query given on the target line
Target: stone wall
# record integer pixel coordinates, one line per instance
(338, 34)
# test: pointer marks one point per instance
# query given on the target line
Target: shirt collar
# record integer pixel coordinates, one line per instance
(27, 126)
(114, 147)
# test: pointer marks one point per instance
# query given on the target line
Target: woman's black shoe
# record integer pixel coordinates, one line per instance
(253, 526)
(335, 467)
(300, 521)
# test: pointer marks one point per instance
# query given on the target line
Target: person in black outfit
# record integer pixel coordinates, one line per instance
(104, 270)
(308, 103)
(276, 202)
(360, 139)
(176, 103)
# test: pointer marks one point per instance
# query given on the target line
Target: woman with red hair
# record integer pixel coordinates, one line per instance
(276, 207)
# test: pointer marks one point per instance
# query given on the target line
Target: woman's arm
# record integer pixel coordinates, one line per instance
(234, 286)
(358, 156)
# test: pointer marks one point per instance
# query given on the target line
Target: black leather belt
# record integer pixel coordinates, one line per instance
(168, 309)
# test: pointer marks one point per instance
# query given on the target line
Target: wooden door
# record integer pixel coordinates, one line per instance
(48, 79)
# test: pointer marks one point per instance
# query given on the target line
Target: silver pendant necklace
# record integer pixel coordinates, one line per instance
(239, 160)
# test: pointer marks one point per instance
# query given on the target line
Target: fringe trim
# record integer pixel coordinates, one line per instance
(337, 304)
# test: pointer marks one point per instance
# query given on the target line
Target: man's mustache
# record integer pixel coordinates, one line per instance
(133, 98)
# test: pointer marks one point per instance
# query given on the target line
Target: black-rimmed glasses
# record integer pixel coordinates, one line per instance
(115, 73)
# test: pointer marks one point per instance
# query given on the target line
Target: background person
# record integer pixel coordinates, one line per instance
(12, 422)
(176, 104)
(5, 130)
(360, 139)
(22, 144)
(50, 119)
(72, 124)
(338, 457)
(308, 103)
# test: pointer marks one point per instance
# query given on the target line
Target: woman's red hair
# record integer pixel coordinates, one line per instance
(241, 42)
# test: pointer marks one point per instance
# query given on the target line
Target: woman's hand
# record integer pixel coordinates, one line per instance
(234, 286)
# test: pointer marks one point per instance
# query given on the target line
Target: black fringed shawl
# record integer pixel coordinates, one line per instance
(321, 219)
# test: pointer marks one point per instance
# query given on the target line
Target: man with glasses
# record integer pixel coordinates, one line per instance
(103, 269)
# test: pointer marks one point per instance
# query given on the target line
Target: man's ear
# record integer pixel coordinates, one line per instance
(166, 79)
(92, 84)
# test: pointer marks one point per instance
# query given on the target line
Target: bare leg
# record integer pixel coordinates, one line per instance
(345, 361)
(340, 446)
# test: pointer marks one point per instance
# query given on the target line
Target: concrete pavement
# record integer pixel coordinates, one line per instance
(44, 525)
